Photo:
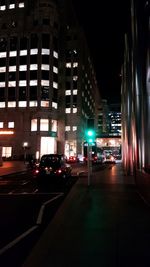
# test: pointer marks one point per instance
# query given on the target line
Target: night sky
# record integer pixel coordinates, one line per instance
(105, 23)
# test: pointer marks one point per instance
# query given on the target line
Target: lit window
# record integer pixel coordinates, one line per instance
(12, 84)
(2, 54)
(55, 70)
(33, 125)
(68, 92)
(2, 104)
(34, 51)
(44, 82)
(22, 67)
(11, 124)
(23, 52)
(67, 128)
(11, 104)
(54, 105)
(68, 110)
(33, 67)
(1, 124)
(2, 7)
(44, 125)
(74, 110)
(22, 104)
(45, 51)
(11, 6)
(45, 104)
(54, 125)
(12, 68)
(75, 64)
(21, 5)
(44, 67)
(6, 151)
(22, 83)
(55, 54)
(13, 53)
(55, 85)
(33, 103)
(75, 92)
(33, 82)
(74, 128)
(2, 69)
(68, 65)
(2, 84)
(75, 78)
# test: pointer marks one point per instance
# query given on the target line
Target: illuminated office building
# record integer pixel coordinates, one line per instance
(109, 126)
(38, 108)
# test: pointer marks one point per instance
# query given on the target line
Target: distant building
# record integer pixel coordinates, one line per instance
(48, 87)
(109, 126)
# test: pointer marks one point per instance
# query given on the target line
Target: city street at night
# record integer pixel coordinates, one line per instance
(74, 133)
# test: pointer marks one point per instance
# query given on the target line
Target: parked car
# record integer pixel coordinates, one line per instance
(52, 168)
(72, 159)
(109, 159)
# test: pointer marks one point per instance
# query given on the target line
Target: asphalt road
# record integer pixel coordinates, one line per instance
(25, 210)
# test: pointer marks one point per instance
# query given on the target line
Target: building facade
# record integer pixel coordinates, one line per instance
(136, 90)
(81, 91)
(110, 127)
(39, 111)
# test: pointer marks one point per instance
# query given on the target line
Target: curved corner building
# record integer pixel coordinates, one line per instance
(41, 106)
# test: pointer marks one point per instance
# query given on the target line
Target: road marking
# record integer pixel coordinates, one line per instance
(142, 197)
(40, 215)
(31, 193)
(18, 239)
(30, 230)
(25, 182)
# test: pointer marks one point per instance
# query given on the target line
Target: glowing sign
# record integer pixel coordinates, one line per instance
(6, 132)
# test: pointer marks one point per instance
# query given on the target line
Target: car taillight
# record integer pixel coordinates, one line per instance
(59, 171)
(36, 171)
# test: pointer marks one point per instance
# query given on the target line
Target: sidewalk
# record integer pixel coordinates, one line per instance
(9, 167)
(105, 224)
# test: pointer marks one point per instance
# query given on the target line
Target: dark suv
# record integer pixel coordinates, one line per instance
(52, 167)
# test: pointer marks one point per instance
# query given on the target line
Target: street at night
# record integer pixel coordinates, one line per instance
(103, 224)
(74, 133)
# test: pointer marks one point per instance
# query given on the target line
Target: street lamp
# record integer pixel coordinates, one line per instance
(25, 145)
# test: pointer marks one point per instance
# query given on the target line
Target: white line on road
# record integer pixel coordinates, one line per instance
(30, 230)
(40, 216)
(19, 238)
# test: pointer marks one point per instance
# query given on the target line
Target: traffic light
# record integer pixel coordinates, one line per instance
(90, 135)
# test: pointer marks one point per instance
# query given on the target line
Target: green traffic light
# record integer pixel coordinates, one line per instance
(90, 135)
